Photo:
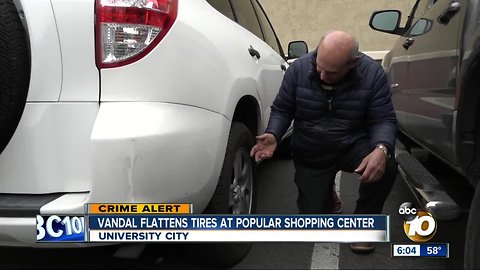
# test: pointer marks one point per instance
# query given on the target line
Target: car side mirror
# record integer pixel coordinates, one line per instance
(297, 49)
(387, 21)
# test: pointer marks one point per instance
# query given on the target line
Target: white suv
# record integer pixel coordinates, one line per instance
(130, 101)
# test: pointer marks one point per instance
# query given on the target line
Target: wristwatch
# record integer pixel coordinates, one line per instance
(384, 149)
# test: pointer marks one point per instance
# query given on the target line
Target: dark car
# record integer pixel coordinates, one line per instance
(434, 71)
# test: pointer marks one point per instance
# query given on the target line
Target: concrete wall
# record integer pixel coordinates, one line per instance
(308, 20)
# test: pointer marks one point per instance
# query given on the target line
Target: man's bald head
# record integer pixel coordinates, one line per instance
(340, 42)
(336, 55)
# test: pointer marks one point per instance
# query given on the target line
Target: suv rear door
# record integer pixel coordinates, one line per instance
(264, 52)
(433, 56)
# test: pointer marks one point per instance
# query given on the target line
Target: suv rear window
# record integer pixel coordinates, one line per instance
(224, 7)
(246, 16)
(268, 32)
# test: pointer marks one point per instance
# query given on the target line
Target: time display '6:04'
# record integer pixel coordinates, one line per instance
(421, 250)
(406, 250)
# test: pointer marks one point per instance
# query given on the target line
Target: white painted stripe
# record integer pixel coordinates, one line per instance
(326, 255)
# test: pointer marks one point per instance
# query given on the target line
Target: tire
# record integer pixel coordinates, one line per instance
(472, 238)
(234, 195)
(14, 70)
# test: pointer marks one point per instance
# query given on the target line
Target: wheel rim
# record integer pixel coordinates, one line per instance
(241, 188)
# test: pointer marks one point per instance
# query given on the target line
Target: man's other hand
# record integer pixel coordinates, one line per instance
(266, 145)
(372, 167)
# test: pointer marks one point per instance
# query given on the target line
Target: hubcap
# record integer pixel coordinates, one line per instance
(241, 188)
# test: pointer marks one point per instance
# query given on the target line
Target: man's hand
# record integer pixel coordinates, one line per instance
(266, 145)
(372, 167)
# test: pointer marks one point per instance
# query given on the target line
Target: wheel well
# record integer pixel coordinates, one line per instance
(247, 112)
(467, 128)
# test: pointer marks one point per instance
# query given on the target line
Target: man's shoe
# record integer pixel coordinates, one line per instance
(362, 247)
(337, 203)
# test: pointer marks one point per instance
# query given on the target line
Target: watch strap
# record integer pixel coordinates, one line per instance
(384, 149)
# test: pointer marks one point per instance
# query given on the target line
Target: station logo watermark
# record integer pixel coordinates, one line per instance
(418, 225)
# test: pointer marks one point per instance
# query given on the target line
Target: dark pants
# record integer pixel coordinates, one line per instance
(315, 181)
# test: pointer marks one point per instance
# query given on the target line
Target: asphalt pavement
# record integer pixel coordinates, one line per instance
(276, 194)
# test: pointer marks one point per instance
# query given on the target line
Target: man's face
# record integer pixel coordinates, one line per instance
(332, 68)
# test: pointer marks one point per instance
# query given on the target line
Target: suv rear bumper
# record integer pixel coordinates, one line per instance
(157, 152)
(138, 153)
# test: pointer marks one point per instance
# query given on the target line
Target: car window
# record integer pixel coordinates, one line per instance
(223, 6)
(421, 27)
(268, 32)
(246, 16)
(432, 2)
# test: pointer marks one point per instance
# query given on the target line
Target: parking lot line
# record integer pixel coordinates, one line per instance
(326, 255)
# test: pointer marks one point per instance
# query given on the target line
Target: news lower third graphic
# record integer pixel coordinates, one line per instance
(175, 222)
(420, 227)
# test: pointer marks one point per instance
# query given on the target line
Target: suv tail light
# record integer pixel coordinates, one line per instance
(127, 30)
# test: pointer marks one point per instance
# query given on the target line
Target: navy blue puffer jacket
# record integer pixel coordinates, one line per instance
(362, 109)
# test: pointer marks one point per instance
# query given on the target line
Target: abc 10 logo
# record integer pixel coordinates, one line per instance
(419, 225)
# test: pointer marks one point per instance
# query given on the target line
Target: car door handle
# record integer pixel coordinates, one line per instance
(449, 12)
(283, 67)
(408, 42)
(253, 52)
